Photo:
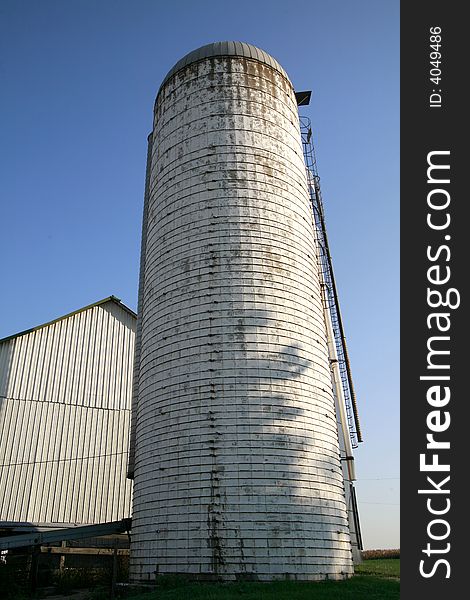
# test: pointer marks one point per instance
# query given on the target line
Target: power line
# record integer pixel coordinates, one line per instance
(380, 503)
(63, 403)
(57, 460)
(376, 478)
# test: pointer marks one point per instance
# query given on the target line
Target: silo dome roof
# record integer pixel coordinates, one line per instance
(225, 49)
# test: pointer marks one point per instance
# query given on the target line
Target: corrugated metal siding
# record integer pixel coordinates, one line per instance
(65, 399)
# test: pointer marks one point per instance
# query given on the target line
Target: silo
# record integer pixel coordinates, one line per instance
(237, 471)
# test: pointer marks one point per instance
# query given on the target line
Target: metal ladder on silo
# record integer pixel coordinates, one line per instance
(330, 295)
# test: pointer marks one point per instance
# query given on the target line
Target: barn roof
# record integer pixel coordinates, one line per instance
(114, 299)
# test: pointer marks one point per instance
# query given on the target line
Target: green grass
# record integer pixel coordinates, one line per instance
(374, 580)
(383, 567)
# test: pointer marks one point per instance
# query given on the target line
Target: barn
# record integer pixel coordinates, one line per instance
(65, 404)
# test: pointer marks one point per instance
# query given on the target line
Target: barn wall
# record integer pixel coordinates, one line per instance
(65, 393)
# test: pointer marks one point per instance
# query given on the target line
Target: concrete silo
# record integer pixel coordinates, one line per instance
(235, 455)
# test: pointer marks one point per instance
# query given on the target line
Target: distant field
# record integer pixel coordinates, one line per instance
(374, 580)
(371, 554)
(382, 567)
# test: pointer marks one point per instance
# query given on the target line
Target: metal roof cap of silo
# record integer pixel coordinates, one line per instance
(225, 49)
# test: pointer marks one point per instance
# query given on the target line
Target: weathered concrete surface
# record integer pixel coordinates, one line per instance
(237, 471)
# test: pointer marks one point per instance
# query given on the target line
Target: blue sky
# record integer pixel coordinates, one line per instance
(79, 79)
